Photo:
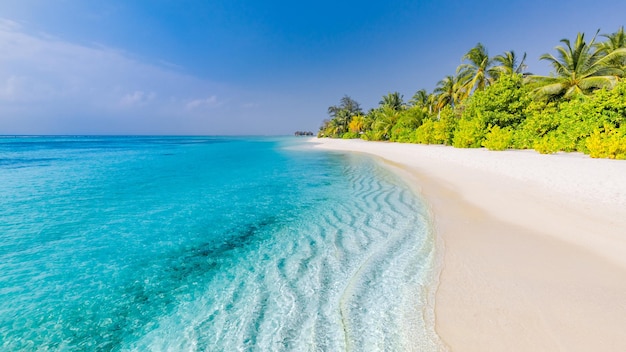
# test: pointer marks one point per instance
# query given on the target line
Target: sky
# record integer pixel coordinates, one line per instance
(251, 67)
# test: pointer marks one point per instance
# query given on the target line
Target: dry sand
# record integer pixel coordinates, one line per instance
(534, 246)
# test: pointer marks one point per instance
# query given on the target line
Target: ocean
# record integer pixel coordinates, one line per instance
(209, 244)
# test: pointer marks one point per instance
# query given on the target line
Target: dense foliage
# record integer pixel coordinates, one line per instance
(493, 102)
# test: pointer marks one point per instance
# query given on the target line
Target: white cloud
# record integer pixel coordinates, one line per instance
(52, 86)
(210, 102)
(137, 98)
(6, 24)
(46, 79)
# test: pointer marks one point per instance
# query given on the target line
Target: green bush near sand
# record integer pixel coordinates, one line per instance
(498, 138)
(492, 102)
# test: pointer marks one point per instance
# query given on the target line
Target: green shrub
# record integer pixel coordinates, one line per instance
(350, 135)
(547, 144)
(502, 103)
(469, 134)
(608, 142)
(498, 138)
(542, 118)
(425, 134)
(412, 117)
(577, 120)
(407, 122)
(373, 135)
(444, 128)
(503, 116)
(402, 134)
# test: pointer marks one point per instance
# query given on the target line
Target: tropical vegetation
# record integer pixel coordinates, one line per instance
(494, 102)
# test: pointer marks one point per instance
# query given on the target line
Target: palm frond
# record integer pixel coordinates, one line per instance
(597, 82)
(552, 87)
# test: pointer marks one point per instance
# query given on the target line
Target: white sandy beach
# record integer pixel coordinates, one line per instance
(534, 246)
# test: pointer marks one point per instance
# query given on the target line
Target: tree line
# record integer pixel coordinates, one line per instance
(494, 102)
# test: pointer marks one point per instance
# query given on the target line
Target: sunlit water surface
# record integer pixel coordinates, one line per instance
(208, 243)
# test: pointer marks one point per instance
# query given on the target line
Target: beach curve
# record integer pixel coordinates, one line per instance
(533, 243)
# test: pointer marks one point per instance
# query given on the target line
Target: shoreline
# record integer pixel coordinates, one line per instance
(533, 245)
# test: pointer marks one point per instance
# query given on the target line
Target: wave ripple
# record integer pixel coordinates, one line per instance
(209, 244)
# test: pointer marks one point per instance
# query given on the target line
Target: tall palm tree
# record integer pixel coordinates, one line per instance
(475, 73)
(419, 98)
(447, 92)
(615, 41)
(393, 100)
(341, 121)
(345, 104)
(507, 63)
(579, 69)
(432, 102)
(422, 99)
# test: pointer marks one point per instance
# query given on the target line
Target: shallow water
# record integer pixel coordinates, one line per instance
(208, 243)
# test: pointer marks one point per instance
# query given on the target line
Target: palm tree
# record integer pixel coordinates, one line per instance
(476, 73)
(447, 92)
(507, 64)
(335, 128)
(615, 41)
(579, 69)
(432, 102)
(342, 120)
(423, 100)
(356, 124)
(345, 104)
(387, 117)
(419, 98)
(393, 100)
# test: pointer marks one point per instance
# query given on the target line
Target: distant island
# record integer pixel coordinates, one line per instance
(303, 133)
(494, 102)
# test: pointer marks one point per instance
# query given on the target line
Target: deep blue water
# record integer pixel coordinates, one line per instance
(208, 243)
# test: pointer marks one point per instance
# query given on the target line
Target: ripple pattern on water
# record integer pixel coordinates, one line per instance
(353, 276)
(110, 246)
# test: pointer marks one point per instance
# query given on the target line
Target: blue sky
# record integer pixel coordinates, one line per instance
(250, 67)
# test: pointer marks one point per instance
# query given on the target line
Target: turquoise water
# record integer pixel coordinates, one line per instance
(208, 243)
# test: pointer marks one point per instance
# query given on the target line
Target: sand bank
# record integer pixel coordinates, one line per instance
(534, 246)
